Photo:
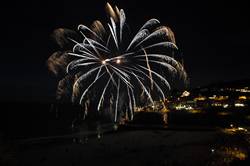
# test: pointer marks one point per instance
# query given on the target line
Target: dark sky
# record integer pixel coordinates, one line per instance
(213, 37)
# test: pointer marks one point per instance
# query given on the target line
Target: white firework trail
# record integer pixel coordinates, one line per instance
(108, 64)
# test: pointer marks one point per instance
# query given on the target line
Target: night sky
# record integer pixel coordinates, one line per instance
(213, 37)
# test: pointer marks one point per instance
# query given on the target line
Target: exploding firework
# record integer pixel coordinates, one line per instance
(104, 69)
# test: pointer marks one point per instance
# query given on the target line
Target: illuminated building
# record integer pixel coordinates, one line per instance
(185, 94)
(242, 97)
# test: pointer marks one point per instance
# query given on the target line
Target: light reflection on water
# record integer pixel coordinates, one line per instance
(228, 154)
(233, 145)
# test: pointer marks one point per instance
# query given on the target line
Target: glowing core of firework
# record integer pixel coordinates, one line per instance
(118, 61)
(104, 61)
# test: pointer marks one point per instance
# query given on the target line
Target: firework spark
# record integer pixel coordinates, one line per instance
(113, 72)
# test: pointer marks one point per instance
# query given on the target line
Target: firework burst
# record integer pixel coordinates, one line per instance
(107, 70)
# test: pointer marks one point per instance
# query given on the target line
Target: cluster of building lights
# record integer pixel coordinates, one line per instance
(218, 98)
(186, 102)
(183, 107)
(194, 104)
(243, 90)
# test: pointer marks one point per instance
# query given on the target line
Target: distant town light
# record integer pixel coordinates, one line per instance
(195, 111)
(242, 129)
(218, 98)
(225, 106)
(224, 113)
(239, 105)
(242, 97)
(212, 97)
(216, 104)
(245, 90)
(200, 98)
(183, 107)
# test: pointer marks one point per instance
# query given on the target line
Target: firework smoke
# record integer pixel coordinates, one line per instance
(107, 70)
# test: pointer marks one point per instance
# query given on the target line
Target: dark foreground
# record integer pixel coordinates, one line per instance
(166, 147)
(128, 148)
(31, 138)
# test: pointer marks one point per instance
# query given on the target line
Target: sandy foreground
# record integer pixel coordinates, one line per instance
(139, 147)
